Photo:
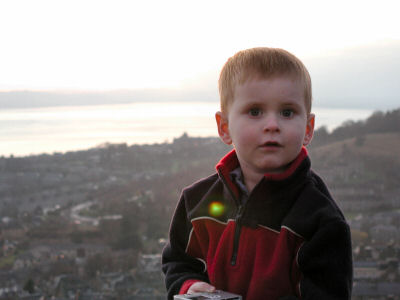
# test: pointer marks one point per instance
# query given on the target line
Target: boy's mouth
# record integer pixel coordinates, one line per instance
(271, 144)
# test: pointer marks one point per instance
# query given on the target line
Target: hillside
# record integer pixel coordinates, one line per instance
(360, 155)
(362, 172)
(384, 145)
(378, 122)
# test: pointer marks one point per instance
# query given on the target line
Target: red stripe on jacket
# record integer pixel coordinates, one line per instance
(266, 256)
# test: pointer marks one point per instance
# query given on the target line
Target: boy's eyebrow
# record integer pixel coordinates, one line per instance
(251, 102)
(262, 103)
(290, 104)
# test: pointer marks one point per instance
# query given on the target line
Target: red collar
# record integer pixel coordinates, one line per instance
(230, 162)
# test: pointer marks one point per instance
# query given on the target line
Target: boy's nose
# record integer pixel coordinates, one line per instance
(271, 124)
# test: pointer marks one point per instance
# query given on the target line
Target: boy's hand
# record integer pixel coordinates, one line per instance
(200, 286)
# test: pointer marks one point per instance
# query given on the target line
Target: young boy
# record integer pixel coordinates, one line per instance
(264, 226)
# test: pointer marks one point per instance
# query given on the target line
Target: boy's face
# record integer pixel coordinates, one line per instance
(267, 122)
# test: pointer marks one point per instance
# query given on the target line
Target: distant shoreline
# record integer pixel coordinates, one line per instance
(21, 99)
(33, 131)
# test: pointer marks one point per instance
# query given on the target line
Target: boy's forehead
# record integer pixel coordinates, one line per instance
(283, 83)
(250, 86)
(249, 74)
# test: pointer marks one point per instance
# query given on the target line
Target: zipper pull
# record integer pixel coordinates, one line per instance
(239, 213)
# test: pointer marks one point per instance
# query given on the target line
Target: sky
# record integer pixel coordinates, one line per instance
(83, 52)
(108, 45)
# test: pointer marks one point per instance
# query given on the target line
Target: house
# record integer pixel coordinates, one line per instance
(69, 285)
(27, 296)
(23, 261)
(376, 291)
(117, 282)
(383, 234)
(367, 270)
(147, 293)
(124, 284)
(8, 286)
(149, 263)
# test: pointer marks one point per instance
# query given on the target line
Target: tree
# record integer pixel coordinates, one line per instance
(128, 237)
(98, 263)
(29, 286)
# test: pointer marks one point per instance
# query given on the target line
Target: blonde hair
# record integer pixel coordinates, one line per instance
(262, 63)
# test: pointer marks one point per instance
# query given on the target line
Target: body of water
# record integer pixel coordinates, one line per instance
(60, 129)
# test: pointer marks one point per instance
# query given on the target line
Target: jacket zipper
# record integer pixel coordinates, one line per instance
(236, 237)
(238, 225)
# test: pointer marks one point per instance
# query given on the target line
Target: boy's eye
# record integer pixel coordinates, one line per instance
(287, 113)
(255, 112)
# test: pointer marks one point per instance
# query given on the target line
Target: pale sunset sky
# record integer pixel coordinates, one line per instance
(77, 73)
(103, 45)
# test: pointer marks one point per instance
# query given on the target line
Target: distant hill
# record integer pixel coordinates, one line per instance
(384, 145)
(378, 122)
(360, 155)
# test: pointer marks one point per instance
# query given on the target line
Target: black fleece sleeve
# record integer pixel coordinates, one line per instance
(176, 264)
(326, 264)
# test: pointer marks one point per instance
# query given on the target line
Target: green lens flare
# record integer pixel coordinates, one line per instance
(216, 209)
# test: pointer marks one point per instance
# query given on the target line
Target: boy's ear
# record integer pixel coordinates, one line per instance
(223, 128)
(309, 130)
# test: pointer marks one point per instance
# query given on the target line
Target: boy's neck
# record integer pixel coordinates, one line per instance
(250, 183)
(251, 179)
